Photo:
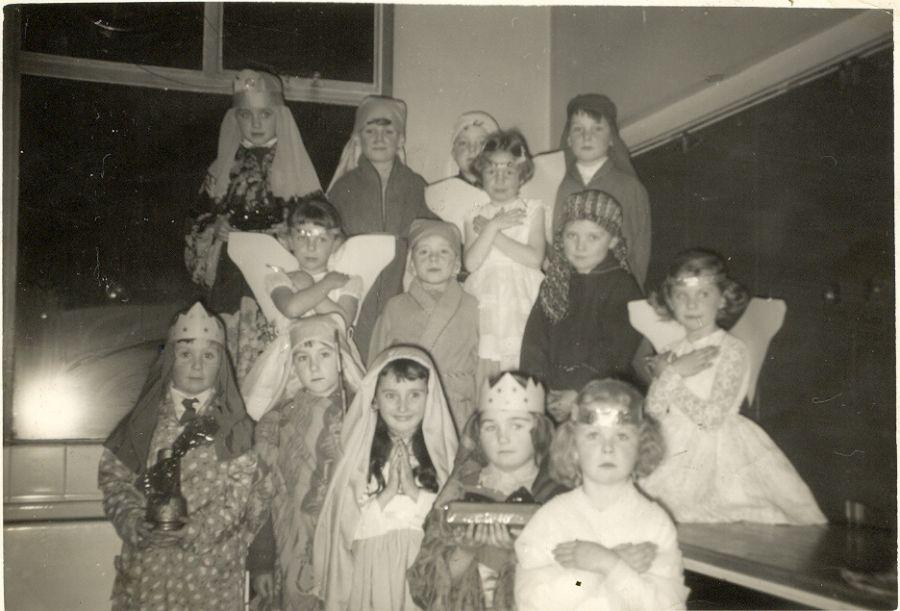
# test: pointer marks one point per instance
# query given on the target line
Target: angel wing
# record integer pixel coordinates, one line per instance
(757, 326)
(453, 199)
(259, 254)
(660, 331)
(549, 170)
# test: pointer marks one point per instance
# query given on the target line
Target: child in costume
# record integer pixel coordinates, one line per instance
(376, 192)
(603, 546)
(454, 197)
(720, 466)
(502, 455)
(314, 234)
(504, 251)
(298, 443)
(261, 166)
(593, 156)
(189, 402)
(398, 448)
(578, 329)
(436, 314)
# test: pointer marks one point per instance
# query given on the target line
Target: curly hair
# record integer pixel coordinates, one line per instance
(511, 141)
(696, 262)
(564, 467)
(382, 444)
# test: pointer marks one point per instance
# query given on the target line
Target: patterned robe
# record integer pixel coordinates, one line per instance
(249, 206)
(298, 443)
(206, 569)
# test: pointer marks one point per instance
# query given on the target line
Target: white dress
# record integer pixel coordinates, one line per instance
(719, 465)
(506, 290)
(544, 585)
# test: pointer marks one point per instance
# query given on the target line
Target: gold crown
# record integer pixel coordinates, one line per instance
(196, 323)
(252, 88)
(508, 394)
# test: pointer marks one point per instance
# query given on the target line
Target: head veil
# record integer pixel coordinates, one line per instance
(272, 378)
(601, 105)
(372, 107)
(130, 440)
(474, 119)
(292, 173)
(340, 512)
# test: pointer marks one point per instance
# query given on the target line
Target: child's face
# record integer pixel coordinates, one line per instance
(312, 245)
(505, 438)
(585, 244)
(381, 140)
(501, 177)
(696, 306)
(588, 138)
(434, 260)
(316, 364)
(401, 403)
(606, 454)
(257, 124)
(196, 365)
(466, 148)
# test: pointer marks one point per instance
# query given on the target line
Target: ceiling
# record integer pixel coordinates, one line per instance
(647, 58)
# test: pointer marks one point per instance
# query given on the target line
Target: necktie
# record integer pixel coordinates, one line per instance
(190, 412)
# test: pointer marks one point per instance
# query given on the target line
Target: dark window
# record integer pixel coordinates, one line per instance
(108, 176)
(155, 34)
(335, 41)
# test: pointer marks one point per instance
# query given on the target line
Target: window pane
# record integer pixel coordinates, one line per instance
(156, 34)
(335, 40)
(109, 175)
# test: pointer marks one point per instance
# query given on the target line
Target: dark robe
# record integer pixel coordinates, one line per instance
(632, 197)
(358, 197)
(594, 340)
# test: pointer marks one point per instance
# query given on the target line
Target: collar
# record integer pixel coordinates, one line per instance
(249, 145)
(508, 482)
(608, 264)
(179, 396)
(587, 171)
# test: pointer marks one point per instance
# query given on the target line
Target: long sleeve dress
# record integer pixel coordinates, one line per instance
(594, 340)
(544, 585)
(298, 443)
(719, 465)
(367, 208)
(505, 289)
(445, 326)
(206, 569)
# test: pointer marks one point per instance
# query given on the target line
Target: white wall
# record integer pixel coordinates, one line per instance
(451, 59)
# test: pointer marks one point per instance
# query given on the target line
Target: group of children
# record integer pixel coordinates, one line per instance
(495, 387)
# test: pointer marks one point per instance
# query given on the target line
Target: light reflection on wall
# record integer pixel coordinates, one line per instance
(80, 371)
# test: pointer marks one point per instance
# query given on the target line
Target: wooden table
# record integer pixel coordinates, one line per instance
(799, 563)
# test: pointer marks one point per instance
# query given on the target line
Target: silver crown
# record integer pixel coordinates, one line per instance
(508, 394)
(197, 323)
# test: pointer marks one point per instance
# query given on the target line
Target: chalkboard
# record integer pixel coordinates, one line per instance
(798, 193)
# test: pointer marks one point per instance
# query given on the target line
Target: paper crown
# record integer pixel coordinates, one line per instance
(197, 323)
(607, 414)
(508, 394)
(252, 88)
